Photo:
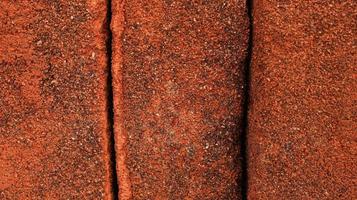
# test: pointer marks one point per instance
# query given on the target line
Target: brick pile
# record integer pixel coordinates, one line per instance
(176, 99)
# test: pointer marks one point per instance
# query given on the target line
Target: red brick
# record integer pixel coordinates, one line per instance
(53, 116)
(178, 91)
(302, 135)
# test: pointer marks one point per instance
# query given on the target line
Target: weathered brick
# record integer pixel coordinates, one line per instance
(178, 89)
(302, 135)
(53, 110)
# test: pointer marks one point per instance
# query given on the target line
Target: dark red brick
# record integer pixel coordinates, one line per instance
(302, 135)
(53, 116)
(178, 91)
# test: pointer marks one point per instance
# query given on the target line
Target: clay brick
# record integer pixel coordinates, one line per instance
(178, 91)
(302, 123)
(53, 116)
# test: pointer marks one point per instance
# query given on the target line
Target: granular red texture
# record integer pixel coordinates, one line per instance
(178, 91)
(302, 120)
(53, 116)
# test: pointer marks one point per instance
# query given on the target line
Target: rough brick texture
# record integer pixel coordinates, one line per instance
(178, 91)
(53, 119)
(302, 135)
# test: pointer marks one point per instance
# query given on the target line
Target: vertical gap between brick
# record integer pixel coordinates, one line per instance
(246, 104)
(114, 181)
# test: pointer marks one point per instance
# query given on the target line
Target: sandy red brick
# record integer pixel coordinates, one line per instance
(178, 90)
(302, 122)
(53, 116)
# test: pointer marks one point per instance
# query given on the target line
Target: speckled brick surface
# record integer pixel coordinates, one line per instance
(178, 86)
(302, 135)
(53, 121)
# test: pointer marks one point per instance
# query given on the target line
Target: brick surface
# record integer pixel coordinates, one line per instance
(302, 135)
(178, 91)
(53, 119)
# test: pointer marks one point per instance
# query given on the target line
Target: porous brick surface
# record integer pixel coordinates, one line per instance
(178, 91)
(302, 120)
(53, 118)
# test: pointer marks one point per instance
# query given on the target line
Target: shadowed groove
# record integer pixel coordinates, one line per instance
(114, 181)
(246, 103)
